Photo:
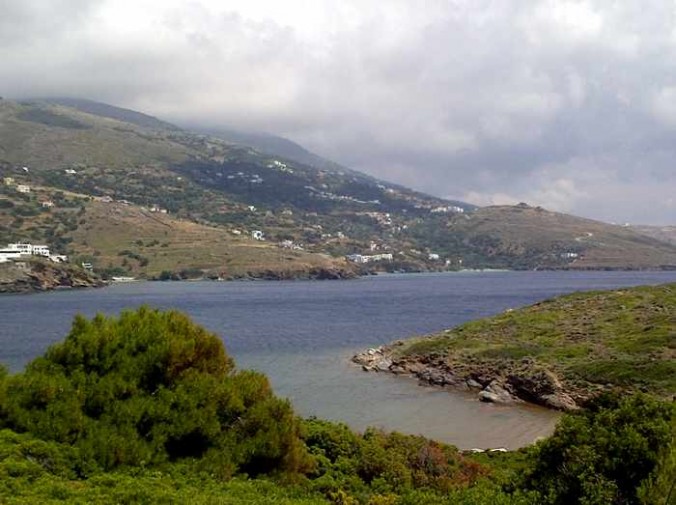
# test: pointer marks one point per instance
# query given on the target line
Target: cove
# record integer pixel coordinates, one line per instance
(302, 334)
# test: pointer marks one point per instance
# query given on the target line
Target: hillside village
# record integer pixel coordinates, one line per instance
(176, 204)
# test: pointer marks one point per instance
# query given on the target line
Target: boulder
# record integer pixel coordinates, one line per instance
(496, 393)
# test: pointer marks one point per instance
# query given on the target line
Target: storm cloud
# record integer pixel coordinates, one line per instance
(566, 104)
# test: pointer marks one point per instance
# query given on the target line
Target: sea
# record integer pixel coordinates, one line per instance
(301, 334)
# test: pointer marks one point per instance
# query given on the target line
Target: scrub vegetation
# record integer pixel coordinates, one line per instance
(148, 407)
(592, 342)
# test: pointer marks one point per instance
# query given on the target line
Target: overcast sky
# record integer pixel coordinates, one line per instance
(566, 104)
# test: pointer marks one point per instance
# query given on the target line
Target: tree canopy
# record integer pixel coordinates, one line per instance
(151, 387)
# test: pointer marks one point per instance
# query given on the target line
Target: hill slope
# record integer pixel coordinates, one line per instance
(96, 150)
(556, 353)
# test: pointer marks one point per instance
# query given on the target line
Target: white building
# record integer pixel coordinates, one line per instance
(23, 188)
(446, 209)
(21, 247)
(361, 258)
(8, 255)
(257, 235)
(41, 250)
(433, 257)
(18, 249)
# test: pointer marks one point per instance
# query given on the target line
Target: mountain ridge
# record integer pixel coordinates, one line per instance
(241, 189)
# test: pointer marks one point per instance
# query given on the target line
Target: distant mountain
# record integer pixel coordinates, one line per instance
(277, 146)
(110, 111)
(256, 183)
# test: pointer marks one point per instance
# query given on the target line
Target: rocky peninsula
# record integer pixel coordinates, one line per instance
(41, 275)
(557, 353)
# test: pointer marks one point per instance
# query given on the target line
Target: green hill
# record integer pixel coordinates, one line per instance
(557, 353)
(99, 151)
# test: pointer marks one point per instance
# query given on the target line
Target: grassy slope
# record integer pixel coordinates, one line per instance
(663, 233)
(524, 230)
(28, 138)
(109, 229)
(624, 338)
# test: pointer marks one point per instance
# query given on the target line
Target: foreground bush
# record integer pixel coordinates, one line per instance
(618, 450)
(149, 388)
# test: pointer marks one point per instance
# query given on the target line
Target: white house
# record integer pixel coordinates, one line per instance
(433, 257)
(41, 250)
(8, 181)
(28, 249)
(257, 235)
(23, 188)
(361, 258)
(21, 248)
(8, 255)
(357, 258)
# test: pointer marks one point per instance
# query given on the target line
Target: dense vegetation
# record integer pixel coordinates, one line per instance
(591, 342)
(148, 408)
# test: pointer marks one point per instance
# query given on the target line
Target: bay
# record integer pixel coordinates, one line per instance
(302, 334)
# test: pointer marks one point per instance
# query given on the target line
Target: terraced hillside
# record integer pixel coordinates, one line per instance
(99, 151)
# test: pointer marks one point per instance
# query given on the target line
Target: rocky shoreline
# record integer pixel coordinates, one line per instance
(37, 275)
(500, 383)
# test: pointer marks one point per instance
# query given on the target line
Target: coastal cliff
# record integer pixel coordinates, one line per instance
(557, 353)
(39, 275)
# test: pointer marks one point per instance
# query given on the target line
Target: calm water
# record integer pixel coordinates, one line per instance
(301, 334)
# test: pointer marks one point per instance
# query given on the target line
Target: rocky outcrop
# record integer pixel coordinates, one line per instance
(512, 383)
(40, 275)
(311, 273)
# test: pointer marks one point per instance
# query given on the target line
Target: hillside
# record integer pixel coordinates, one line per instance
(663, 233)
(188, 249)
(557, 353)
(123, 239)
(532, 237)
(95, 150)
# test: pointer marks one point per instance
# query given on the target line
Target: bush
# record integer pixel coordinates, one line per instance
(606, 452)
(149, 388)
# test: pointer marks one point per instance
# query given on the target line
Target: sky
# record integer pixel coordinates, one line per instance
(567, 104)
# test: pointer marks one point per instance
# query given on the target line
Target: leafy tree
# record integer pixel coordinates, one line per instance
(604, 453)
(149, 388)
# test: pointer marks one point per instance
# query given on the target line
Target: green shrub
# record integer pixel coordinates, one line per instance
(606, 452)
(150, 388)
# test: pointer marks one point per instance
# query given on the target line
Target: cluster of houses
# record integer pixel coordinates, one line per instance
(371, 258)
(19, 250)
(445, 209)
(282, 167)
(21, 188)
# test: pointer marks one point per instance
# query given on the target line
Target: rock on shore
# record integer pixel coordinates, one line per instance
(513, 384)
(41, 275)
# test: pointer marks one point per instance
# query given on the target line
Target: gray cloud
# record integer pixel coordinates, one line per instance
(566, 104)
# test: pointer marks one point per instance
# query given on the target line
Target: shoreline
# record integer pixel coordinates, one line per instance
(524, 383)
